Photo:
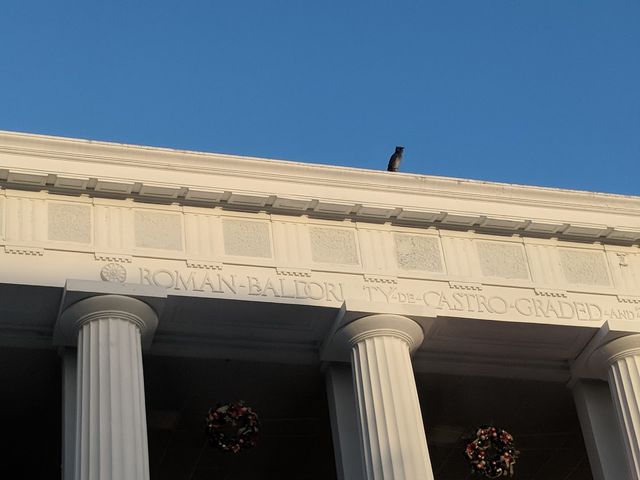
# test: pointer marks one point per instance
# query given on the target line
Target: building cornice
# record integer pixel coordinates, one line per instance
(166, 175)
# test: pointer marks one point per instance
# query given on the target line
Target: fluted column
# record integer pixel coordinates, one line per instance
(392, 433)
(623, 359)
(111, 430)
(600, 429)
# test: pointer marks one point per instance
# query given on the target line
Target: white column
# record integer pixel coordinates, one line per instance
(600, 429)
(111, 430)
(69, 393)
(623, 359)
(392, 433)
(344, 421)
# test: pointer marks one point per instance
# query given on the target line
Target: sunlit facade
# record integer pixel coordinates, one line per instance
(373, 320)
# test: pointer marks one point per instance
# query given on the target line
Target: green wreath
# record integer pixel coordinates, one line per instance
(492, 453)
(232, 427)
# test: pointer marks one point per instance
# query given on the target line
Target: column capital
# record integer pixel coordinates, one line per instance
(339, 346)
(613, 341)
(382, 325)
(619, 348)
(84, 302)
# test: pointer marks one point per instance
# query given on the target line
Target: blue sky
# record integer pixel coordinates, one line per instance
(540, 92)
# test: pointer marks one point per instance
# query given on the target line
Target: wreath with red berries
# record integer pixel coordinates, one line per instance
(492, 453)
(232, 427)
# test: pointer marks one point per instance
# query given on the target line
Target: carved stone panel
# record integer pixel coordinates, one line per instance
(69, 222)
(157, 230)
(333, 245)
(584, 267)
(246, 238)
(502, 259)
(418, 252)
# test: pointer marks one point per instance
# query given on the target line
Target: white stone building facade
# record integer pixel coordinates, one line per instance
(229, 277)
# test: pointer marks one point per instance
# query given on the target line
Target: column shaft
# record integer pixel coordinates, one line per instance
(624, 381)
(600, 430)
(344, 421)
(111, 435)
(69, 412)
(393, 436)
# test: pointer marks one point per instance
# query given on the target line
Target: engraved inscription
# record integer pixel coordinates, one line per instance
(158, 230)
(247, 239)
(584, 267)
(473, 302)
(333, 245)
(252, 285)
(501, 259)
(417, 252)
(69, 222)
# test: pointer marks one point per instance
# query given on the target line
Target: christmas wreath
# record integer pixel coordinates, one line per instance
(492, 453)
(232, 427)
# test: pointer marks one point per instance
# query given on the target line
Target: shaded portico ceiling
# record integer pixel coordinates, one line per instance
(267, 331)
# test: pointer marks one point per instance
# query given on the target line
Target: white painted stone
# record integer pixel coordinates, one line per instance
(331, 275)
(585, 267)
(2, 202)
(26, 219)
(623, 359)
(333, 245)
(392, 433)
(158, 230)
(69, 222)
(418, 252)
(69, 411)
(111, 432)
(246, 238)
(502, 259)
(344, 421)
(600, 430)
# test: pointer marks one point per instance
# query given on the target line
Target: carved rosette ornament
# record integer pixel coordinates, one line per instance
(113, 272)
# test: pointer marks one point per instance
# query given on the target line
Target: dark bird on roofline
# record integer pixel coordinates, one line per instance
(394, 161)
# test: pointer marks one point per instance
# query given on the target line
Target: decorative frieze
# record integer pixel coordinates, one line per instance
(418, 252)
(502, 259)
(466, 286)
(157, 230)
(2, 202)
(114, 229)
(374, 278)
(585, 267)
(246, 238)
(333, 245)
(69, 222)
(26, 219)
(628, 299)
(204, 238)
(112, 257)
(27, 251)
(204, 264)
(290, 243)
(293, 272)
(547, 292)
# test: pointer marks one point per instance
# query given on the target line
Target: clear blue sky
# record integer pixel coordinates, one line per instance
(541, 92)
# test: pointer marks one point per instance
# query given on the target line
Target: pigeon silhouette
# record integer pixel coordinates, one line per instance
(394, 161)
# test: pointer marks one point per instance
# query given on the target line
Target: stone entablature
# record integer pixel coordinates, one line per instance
(234, 227)
(217, 252)
(155, 175)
